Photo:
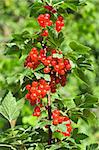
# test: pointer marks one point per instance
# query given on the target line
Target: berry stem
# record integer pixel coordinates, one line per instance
(58, 3)
(49, 118)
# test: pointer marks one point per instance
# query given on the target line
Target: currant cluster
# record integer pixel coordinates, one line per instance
(37, 111)
(59, 24)
(32, 59)
(56, 67)
(37, 91)
(59, 119)
(44, 21)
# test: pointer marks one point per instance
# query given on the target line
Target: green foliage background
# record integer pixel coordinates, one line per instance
(82, 26)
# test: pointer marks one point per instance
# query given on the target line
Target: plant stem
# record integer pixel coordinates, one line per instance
(50, 2)
(49, 118)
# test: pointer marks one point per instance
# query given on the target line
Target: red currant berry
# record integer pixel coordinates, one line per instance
(28, 87)
(47, 70)
(45, 33)
(34, 84)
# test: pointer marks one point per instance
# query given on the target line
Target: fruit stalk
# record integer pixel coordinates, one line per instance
(49, 118)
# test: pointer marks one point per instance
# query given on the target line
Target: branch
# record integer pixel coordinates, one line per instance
(49, 118)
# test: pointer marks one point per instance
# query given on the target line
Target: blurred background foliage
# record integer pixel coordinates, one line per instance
(82, 26)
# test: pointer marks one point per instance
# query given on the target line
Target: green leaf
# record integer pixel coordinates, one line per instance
(52, 37)
(70, 5)
(19, 107)
(36, 9)
(45, 76)
(57, 56)
(90, 98)
(41, 66)
(81, 75)
(39, 147)
(31, 120)
(92, 146)
(62, 127)
(89, 101)
(78, 136)
(90, 116)
(81, 136)
(9, 108)
(79, 48)
(58, 135)
(78, 100)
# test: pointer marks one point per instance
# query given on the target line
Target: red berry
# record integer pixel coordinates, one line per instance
(53, 62)
(33, 96)
(27, 96)
(42, 81)
(68, 67)
(57, 80)
(69, 128)
(30, 65)
(66, 118)
(66, 61)
(47, 87)
(43, 93)
(53, 90)
(55, 122)
(60, 119)
(47, 15)
(61, 65)
(47, 62)
(56, 111)
(55, 116)
(45, 33)
(60, 18)
(56, 68)
(47, 70)
(54, 51)
(61, 72)
(34, 84)
(66, 133)
(28, 87)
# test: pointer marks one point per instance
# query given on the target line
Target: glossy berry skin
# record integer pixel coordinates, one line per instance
(37, 111)
(57, 68)
(59, 23)
(36, 91)
(47, 70)
(44, 20)
(28, 87)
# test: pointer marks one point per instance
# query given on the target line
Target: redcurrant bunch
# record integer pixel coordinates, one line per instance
(56, 67)
(37, 111)
(59, 119)
(59, 24)
(32, 59)
(44, 20)
(37, 91)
